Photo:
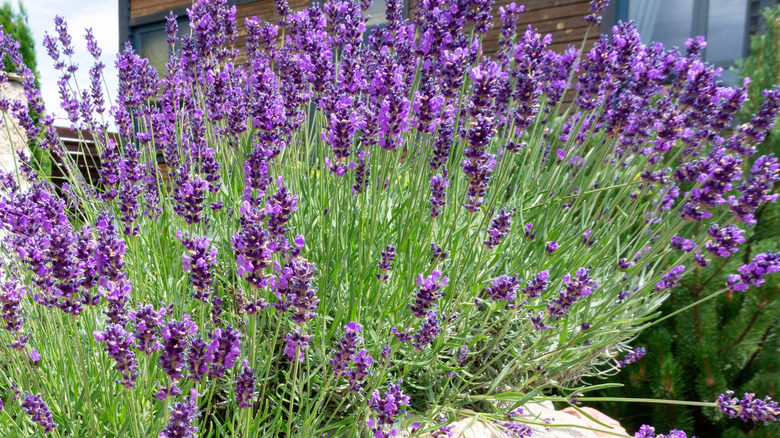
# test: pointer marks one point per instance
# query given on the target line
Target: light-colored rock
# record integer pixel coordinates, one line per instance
(12, 137)
(601, 418)
(567, 423)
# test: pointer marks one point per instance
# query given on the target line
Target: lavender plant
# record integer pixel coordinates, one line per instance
(352, 223)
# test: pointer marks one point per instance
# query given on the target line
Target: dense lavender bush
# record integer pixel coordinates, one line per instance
(351, 233)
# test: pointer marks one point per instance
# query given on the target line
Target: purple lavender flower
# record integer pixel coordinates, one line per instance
(724, 240)
(345, 349)
(296, 345)
(35, 357)
(245, 386)
(225, 346)
(596, 8)
(189, 197)
(586, 240)
(578, 286)
(529, 234)
(515, 429)
(362, 173)
(757, 190)
(428, 292)
(682, 244)
(751, 274)
(632, 357)
(198, 358)
(386, 408)
(279, 209)
(295, 290)
(199, 263)
(441, 147)
(749, 407)
(463, 353)
(11, 293)
(385, 265)
(145, 323)
(175, 336)
(437, 253)
(504, 287)
(118, 342)
(537, 284)
(649, 432)
(500, 226)
(38, 410)
(182, 414)
(361, 368)
(439, 185)
(110, 249)
(671, 278)
(427, 332)
(252, 246)
(551, 247)
(117, 295)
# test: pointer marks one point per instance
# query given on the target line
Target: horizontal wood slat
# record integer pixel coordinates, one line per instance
(140, 8)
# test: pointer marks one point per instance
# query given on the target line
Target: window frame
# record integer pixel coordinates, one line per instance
(618, 11)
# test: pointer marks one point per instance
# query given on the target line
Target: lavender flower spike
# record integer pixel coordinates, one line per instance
(118, 342)
(385, 265)
(428, 292)
(182, 414)
(749, 407)
(500, 226)
(35, 407)
(245, 386)
(386, 408)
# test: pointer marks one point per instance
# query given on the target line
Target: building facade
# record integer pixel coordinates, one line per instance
(142, 22)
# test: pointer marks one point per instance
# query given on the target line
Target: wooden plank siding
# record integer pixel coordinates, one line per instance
(562, 18)
(142, 8)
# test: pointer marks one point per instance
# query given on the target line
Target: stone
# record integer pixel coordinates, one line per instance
(12, 137)
(566, 423)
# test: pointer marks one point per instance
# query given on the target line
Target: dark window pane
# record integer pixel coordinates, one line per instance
(149, 42)
(377, 13)
(665, 21)
(726, 30)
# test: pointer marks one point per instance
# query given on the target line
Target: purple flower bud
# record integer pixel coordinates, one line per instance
(427, 332)
(500, 226)
(175, 336)
(199, 262)
(749, 407)
(428, 292)
(504, 287)
(118, 342)
(632, 357)
(576, 287)
(386, 408)
(225, 346)
(296, 345)
(671, 278)
(385, 265)
(537, 284)
(182, 415)
(245, 386)
(38, 410)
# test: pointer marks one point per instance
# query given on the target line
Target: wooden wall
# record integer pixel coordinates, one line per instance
(562, 18)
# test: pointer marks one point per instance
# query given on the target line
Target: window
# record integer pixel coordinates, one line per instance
(377, 13)
(150, 42)
(672, 22)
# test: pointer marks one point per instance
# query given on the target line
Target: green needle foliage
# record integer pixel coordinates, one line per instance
(731, 341)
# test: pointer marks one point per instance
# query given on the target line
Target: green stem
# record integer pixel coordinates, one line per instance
(84, 378)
